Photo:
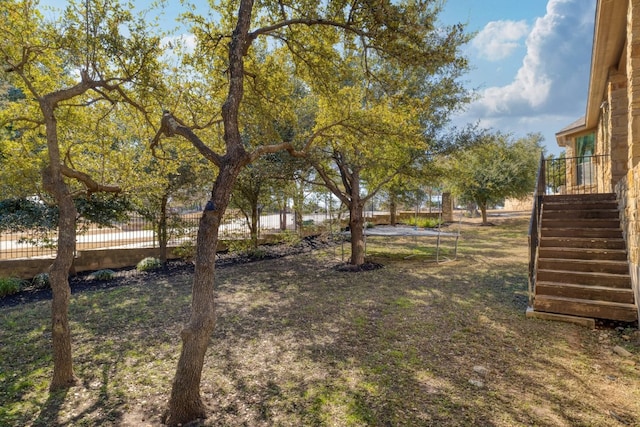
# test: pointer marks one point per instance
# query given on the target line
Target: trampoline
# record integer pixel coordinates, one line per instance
(415, 233)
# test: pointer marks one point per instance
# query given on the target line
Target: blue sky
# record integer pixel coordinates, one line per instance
(530, 61)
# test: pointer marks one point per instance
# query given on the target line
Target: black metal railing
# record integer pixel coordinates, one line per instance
(534, 226)
(563, 175)
(576, 175)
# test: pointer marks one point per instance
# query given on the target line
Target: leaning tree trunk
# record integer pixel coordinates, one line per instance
(185, 403)
(63, 376)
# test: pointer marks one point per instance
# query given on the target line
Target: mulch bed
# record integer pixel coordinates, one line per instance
(83, 282)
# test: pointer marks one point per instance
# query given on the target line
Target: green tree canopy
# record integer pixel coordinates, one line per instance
(243, 56)
(95, 62)
(496, 168)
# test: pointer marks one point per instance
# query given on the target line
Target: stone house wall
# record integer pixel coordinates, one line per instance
(620, 128)
(618, 125)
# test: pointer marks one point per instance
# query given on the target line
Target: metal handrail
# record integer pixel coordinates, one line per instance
(534, 226)
(563, 175)
(576, 175)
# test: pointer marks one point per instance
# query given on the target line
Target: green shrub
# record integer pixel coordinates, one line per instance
(239, 245)
(41, 281)
(9, 286)
(186, 251)
(257, 253)
(424, 222)
(290, 237)
(246, 247)
(103, 275)
(148, 264)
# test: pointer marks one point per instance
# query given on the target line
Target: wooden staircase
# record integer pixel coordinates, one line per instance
(582, 268)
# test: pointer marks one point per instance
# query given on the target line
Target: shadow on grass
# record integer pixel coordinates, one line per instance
(299, 343)
(395, 347)
(116, 334)
(106, 410)
(48, 415)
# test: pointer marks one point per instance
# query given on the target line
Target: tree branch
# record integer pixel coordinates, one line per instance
(92, 186)
(171, 126)
(331, 185)
(303, 21)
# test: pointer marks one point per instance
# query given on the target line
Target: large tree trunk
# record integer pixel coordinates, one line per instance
(356, 220)
(185, 404)
(393, 210)
(53, 182)
(356, 226)
(63, 375)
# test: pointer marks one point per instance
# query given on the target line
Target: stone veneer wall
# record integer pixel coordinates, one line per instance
(628, 193)
(570, 168)
(85, 261)
(628, 188)
(616, 127)
(447, 207)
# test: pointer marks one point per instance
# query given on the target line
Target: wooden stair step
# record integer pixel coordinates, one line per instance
(586, 308)
(580, 206)
(597, 293)
(622, 281)
(561, 252)
(582, 242)
(576, 198)
(580, 223)
(581, 265)
(581, 214)
(591, 232)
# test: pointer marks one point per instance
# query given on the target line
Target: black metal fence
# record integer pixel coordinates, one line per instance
(139, 232)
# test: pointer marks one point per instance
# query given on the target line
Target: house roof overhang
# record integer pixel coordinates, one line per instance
(563, 137)
(609, 38)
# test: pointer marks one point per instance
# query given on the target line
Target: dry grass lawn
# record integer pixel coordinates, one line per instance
(298, 343)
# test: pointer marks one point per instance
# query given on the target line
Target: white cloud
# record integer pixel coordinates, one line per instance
(549, 89)
(186, 42)
(555, 69)
(498, 39)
